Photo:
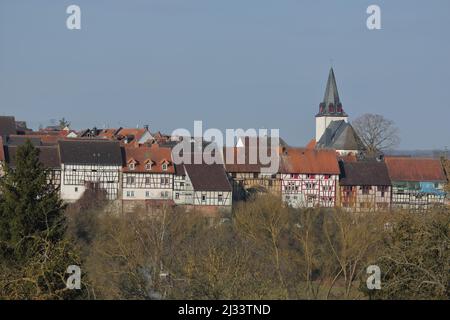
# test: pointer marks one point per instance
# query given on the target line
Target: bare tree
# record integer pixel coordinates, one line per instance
(63, 123)
(264, 222)
(376, 132)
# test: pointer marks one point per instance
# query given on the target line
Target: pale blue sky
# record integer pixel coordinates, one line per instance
(230, 63)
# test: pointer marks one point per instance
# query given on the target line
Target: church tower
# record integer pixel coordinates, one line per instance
(331, 107)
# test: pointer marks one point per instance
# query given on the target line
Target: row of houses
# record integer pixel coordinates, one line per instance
(146, 175)
(135, 167)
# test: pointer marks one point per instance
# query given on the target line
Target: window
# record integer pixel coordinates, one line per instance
(164, 166)
(310, 186)
(148, 166)
(177, 196)
(131, 166)
(164, 181)
(147, 194)
(220, 197)
(164, 194)
(203, 197)
(181, 184)
(130, 180)
(366, 190)
(255, 175)
(130, 194)
(76, 189)
(147, 180)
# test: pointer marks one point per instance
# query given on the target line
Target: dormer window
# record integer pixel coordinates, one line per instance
(164, 166)
(132, 164)
(148, 166)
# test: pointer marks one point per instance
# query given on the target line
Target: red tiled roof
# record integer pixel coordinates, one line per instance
(143, 154)
(308, 161)
(350, 157)
(108, 133)
(414, 169)
(137, 133)
(311, 144)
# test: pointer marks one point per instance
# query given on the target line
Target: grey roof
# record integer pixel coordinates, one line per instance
(331, 91)
(208, 177)
(86, 152)
(331, 98)
(340, 135)
(48, 156)
(7, 126)
(364, 173)
(17, 140)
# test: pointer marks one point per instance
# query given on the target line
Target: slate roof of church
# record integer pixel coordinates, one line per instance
(331, 99)
(340, 135)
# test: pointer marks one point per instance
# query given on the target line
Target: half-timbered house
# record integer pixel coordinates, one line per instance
(147, 175)
(246, 176)
(205, 187)
(309, 177)
(417, 183)
(48, 157)
(86, 162)
(365, 186)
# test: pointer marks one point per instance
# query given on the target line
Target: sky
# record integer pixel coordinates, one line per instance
(230, 63)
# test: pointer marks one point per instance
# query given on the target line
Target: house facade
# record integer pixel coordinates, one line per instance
(247, 177)
(147, 175)
(309, 177)
(365, 186)
(85, 162)
(48, 157)
(203, 187)
(417, 183)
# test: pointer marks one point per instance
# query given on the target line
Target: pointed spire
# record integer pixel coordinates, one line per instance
(331, 92)
(331, 104)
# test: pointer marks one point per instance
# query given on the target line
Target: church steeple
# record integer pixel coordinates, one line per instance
(331, 104)
(330, 108)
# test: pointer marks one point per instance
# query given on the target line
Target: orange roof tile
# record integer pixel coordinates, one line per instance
(311, 144)
(142, 154)
(414, 169)
(308, 161)
(137, 133)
